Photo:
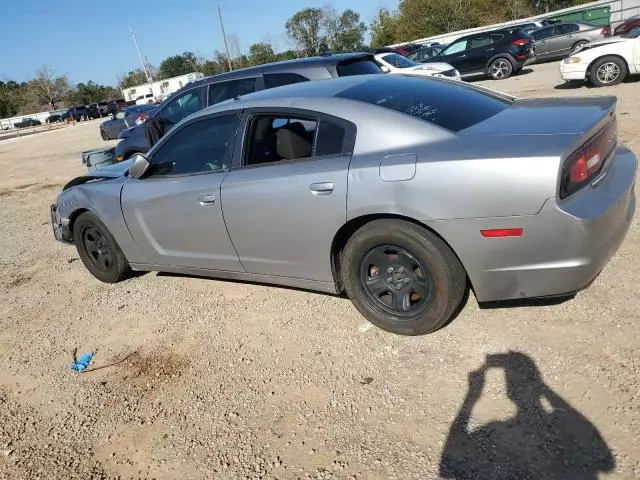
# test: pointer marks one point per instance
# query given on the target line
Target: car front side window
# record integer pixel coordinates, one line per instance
(200, 147)
(455, 47)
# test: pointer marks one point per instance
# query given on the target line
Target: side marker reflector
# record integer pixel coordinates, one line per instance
(502, 232)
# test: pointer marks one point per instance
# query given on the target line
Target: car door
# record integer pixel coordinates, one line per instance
(174, 212)
(479, 50)
(562, 40)
(456, 55)
(286, 196)
(182, 105)
(541, 38)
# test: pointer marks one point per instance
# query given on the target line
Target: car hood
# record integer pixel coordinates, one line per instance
(605, 41)
(112, 171)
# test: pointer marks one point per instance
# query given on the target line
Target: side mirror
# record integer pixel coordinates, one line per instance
(384, 68)
(139, 165)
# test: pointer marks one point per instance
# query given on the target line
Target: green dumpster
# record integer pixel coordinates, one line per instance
(597, 15)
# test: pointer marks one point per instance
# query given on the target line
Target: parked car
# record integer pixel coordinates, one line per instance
(97, 110)
(627, 25)
(124, 119)
(77, 113)
(423, 54)
(114, 105)
(394, 63)
(55, 117)
(497, 53)
(566, 38)
(605, 63)
(396, 190)
(27, 122)
(217, 88)
(404, 50)
(534, 25)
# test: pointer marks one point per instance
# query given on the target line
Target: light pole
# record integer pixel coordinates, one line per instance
(144, 66)
(224, 36)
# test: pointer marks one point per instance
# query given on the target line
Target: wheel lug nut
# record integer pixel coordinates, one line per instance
(389, 280)
(390, 270)
(406, 280)
(401, 269)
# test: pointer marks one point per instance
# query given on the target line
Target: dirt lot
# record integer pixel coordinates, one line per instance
(232, 380)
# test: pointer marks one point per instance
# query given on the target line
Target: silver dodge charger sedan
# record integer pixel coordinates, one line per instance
(400, 192)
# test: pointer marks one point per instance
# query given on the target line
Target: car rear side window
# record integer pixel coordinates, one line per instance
(274, 138)
(273, 80)
(565, 28)
(362, 66)
(221, 91)
(448, 105)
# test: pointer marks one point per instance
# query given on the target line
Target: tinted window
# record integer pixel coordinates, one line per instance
(398, 61)
(273, 138)
(565, 28)
(219, 92)
(455, 47)
(197, 148)
(451, 106)
(183, 105)
(272, 80)
(478, 42)
(357, 67)
(496, 37)
(332, 139)
(542, 33)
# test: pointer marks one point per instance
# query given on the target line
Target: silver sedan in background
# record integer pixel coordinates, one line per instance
(402, 192)
(566, 38)
(125, 118)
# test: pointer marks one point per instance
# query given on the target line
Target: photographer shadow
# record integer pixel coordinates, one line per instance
(549, 440)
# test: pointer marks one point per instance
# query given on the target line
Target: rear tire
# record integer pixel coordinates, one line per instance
(401, 277)
(608, 71)
(98, 250)
(500, 68)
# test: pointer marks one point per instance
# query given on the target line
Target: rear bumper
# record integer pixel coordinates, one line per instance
(61, 230)
(574, 71)
(564, 246)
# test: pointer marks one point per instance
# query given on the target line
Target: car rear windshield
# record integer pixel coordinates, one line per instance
(453, 106)
(361, 66)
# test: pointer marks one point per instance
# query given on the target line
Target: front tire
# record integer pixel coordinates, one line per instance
(608, 71)
(500, 68)
(578, 46)
(98, 250)
(401, 277)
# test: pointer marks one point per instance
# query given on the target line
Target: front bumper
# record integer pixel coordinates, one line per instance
(61, 230)
(563, 248)
(573, 71)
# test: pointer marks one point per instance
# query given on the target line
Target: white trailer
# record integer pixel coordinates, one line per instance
(158, 91)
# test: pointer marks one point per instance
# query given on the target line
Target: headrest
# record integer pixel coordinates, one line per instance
(292, 142)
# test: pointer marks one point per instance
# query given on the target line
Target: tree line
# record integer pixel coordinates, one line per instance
(311, 30)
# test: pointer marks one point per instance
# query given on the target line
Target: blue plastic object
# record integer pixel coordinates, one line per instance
(82, 362)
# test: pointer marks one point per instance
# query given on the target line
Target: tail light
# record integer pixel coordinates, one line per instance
(586, 162)
(606, 31)
(143, 117)
(520, 42)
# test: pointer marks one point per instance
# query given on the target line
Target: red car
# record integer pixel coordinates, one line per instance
(626, 26)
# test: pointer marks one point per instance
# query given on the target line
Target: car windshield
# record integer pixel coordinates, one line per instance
(453, 106)
(398, 61)
(634, 33)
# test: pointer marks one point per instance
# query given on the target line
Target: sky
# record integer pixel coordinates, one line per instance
(89, 39)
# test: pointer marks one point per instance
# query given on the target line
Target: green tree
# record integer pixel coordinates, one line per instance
(261, 53)
(132, 78)
(307, 29)
(211, 67)
(383, 28)
(177, 65)
(345, 32)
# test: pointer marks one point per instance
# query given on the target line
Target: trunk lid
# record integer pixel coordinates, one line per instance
(548, 116)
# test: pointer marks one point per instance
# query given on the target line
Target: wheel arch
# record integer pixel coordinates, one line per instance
(604, 56)
(347, 230)
(74, 216)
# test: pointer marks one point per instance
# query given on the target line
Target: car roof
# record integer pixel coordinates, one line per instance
(322, 60)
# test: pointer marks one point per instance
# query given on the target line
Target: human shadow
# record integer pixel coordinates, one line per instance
(555, 442)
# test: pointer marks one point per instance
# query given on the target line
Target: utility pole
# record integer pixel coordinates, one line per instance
(144, 66)
(224, 36)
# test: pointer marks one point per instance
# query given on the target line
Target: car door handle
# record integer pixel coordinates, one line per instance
(323, 188)
(207, 199)
(461, 56)
(490, 49)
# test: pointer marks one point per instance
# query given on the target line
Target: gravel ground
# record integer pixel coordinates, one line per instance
(206, 379)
